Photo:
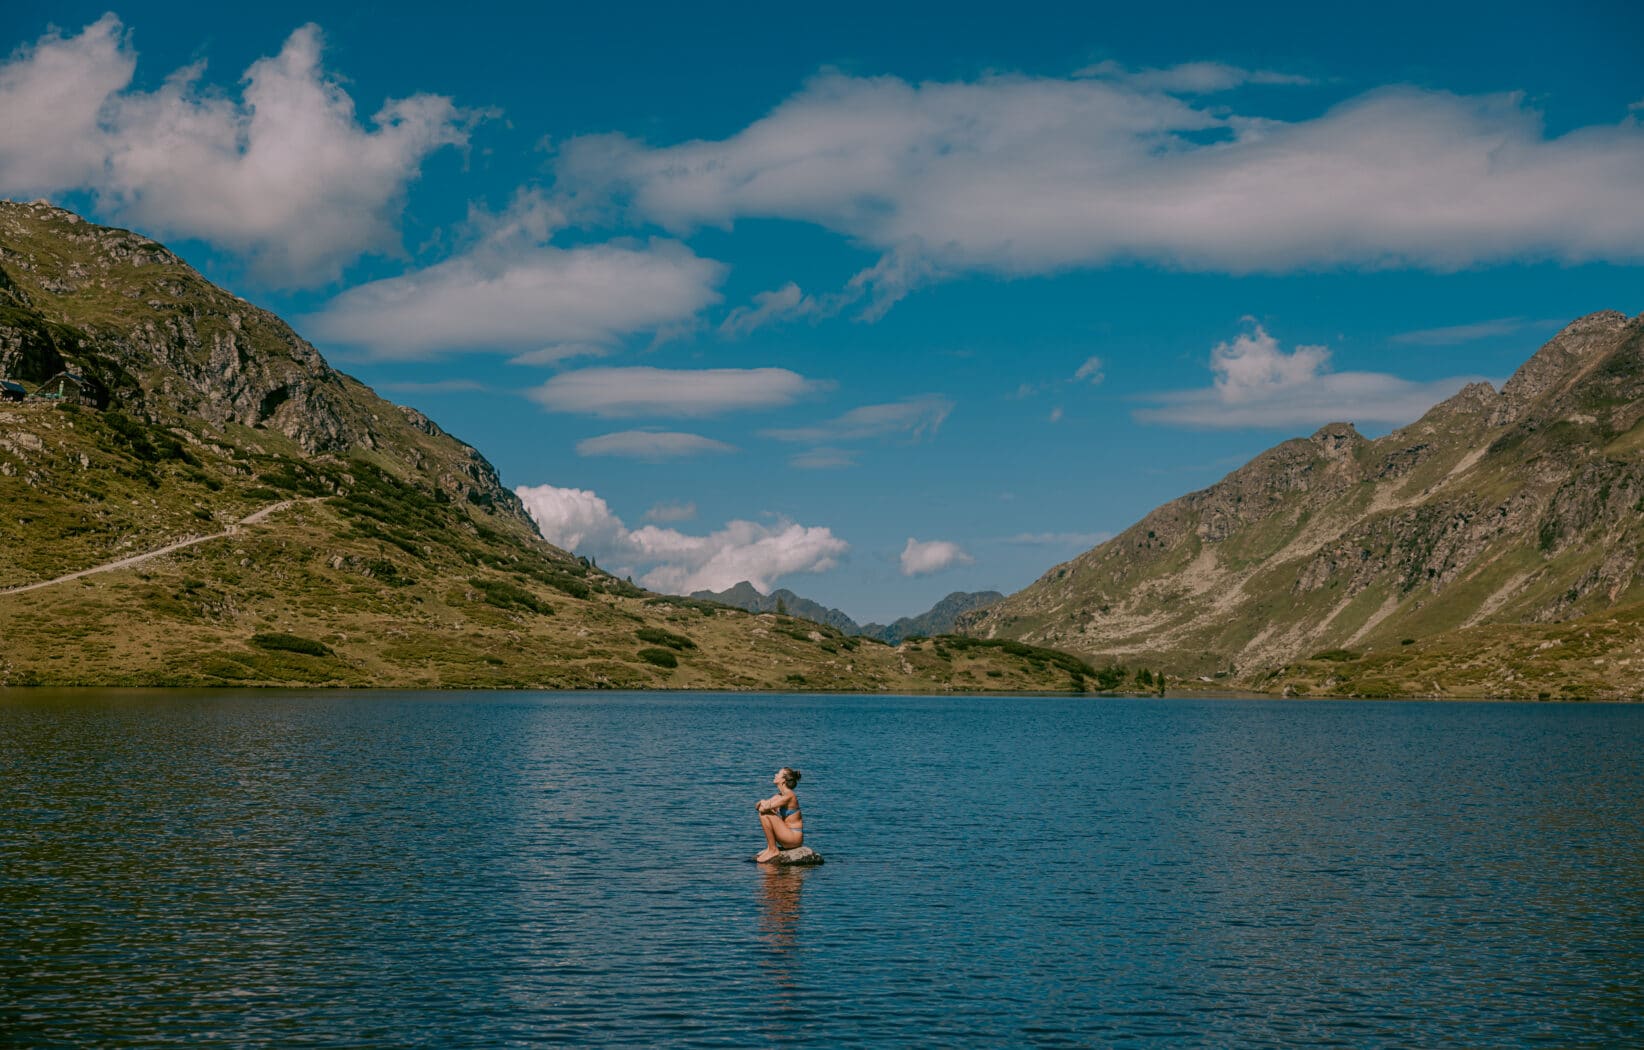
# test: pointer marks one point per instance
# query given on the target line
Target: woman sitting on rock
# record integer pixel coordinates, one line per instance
(780, 817)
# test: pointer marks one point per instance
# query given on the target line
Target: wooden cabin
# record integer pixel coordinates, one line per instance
(67, 387)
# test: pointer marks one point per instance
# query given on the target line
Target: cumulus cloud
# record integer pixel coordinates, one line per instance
(286, 175)
(915, 417)
(673, 392)
(53, 95)
(653, 446)
(922, 559)
(1452, 335)
(674, 562)
(1018, 175)
(1258, 384)
(511, 292)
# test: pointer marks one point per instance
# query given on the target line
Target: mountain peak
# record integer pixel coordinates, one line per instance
(1561, 361)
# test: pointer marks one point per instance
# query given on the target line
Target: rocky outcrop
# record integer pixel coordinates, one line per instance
(803, 857)
(160, 342)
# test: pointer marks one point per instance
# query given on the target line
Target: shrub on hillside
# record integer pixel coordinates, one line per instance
(290, 643)
(658, 636)
(660, 657)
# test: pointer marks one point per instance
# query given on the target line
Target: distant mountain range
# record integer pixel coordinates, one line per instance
(939, 619)
(1495, 547)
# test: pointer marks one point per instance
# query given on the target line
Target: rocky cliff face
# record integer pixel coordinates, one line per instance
(158, 341)
(1520, 506)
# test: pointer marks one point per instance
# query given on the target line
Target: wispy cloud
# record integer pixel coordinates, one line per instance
(652, 446)
(1059, 539)
(437, 386)
(1452, 335)
(1191, 78)
(931, 556)
(673, 392)
(825, 458)
(914, 417)
(286, 176)
(1258, 384)
(1019, 175)
(675, 562)
(781, 304)
(668, 512)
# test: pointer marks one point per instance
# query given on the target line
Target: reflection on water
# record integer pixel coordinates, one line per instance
(478, 870)
(779, 932)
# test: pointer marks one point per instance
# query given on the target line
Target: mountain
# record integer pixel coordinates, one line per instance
(191, 495)
(745, 595)
(1483, 550)
(941, 618)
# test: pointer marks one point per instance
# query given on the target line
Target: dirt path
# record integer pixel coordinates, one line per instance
(250, 519)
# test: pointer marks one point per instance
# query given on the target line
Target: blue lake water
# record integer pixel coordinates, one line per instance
(452, 870)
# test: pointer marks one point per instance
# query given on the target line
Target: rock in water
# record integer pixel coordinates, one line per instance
(802, 857)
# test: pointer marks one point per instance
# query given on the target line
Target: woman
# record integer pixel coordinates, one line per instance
(780, 817)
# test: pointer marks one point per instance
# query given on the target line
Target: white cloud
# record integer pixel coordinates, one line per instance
(917, 417)
(512, 293)
(1251, 366)
(1056, 414)
(1258, 384)
(1059, 539)
(650, 445)
(286, 176)
(1451, 335)
(666, 512)
(1090, 371)
(575, 519)
(675, 562)
(668, 392)
(922, 559)
(780, 304)
(1017, 175)
(52, 95)
(824, 458)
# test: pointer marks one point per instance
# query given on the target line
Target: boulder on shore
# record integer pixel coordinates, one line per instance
(801, 857)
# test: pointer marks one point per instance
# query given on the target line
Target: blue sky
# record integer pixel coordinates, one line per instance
(874, 302)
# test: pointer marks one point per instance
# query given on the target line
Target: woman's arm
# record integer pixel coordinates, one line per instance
(775, 802)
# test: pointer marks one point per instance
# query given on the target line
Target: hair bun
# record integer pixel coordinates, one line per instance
(795, 773)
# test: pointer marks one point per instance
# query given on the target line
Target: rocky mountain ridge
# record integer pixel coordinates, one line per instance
(1518, 507)
(938, 619)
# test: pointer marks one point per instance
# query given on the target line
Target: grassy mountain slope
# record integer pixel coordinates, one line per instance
(390, 554)
(1434, 560)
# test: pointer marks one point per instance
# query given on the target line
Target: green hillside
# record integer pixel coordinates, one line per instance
(322, 535)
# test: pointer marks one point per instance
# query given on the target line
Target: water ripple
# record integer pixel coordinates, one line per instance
(460, 870)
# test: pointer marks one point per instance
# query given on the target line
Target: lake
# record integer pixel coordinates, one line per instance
(495, 869)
